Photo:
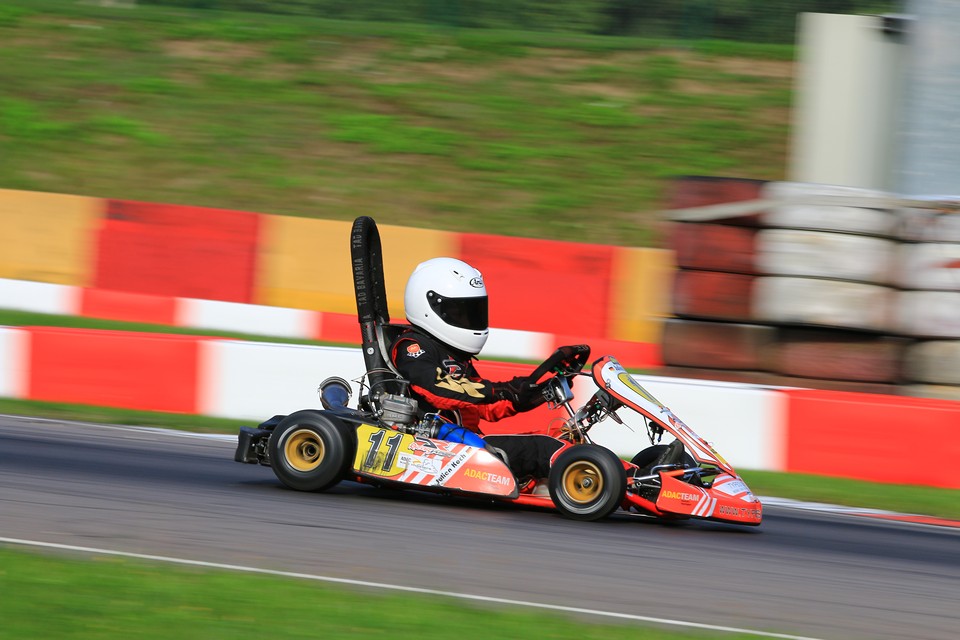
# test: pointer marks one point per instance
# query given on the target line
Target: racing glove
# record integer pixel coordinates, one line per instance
(523, 393)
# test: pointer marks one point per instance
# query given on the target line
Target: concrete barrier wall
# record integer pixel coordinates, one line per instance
(303, 263)
(543, 285)
(852, 435)
(177, 250)
(874, 437)
(263, 320)
(14, 362)
(48, 237)
(639, 293)
(151, 372)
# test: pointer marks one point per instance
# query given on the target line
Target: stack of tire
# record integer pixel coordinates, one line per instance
(713, 333)
(928, 307)
(794, 294)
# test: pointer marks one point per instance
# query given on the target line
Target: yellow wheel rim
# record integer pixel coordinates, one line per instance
(582, 482)
(304, 450)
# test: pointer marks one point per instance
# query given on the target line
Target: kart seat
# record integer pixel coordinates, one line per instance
(386, 334)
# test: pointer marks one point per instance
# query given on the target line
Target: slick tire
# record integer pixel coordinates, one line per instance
(587, 482)
(309, 451)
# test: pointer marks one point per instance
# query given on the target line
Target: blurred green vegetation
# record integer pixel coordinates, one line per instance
(745, 20)
(544, 134)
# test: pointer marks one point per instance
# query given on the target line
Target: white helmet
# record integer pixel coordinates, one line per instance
(446, 298)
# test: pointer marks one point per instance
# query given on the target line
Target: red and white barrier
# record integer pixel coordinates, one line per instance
(255, 319)
(14, 362)
(255, 380)
(866, 436)
(39, 297)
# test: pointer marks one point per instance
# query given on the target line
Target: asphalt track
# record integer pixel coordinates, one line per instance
(161, 493)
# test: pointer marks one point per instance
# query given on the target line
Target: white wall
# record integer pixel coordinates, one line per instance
(255, 380)
(848, 93)
(745, 424)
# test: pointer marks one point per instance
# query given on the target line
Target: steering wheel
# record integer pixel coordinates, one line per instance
(566, 361)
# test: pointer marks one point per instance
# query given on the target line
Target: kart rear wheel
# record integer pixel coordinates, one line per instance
(587, 482)
(309, 452)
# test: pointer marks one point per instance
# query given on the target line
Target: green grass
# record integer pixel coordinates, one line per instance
(111, 415)
(933, 501)
(46, 597)
(550, 135)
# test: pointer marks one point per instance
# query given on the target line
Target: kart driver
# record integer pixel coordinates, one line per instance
(446, 302)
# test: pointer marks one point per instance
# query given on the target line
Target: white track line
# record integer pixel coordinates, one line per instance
(127, 427)
(394, 587)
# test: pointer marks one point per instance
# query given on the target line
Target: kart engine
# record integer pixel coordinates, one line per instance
(400, 412)
(396, 411)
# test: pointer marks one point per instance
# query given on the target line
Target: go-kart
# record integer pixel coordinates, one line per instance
(386, 440)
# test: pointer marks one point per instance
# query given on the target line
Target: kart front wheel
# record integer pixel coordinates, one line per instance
(587, 482)
(646, 458)
(308, 452)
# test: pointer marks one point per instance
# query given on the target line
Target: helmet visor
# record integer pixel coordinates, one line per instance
(464, 313)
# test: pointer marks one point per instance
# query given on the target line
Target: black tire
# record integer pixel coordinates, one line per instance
(309, 451)
(587, 482)
(645, 458)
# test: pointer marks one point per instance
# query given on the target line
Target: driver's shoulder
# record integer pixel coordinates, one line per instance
(412, 343)
(411, 335)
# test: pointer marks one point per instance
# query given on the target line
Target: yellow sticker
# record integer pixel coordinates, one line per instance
(380, 451)
(628, 380)
(719, 457)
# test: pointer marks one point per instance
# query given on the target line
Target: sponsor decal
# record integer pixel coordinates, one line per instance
(424, 443)
(740, 512)
(424, 465)
(732, 488)
(683, 496)
(451, 467)
(415, 351)
(453, 368)
(459, 385)
(429, 448)
(477, 282)
(631, 384)
(486, 476)
(719, 457)
(675, 421)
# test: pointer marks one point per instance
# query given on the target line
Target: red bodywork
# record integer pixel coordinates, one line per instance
(712, 491)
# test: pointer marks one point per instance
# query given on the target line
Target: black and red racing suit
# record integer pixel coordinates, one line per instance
(445, 381)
